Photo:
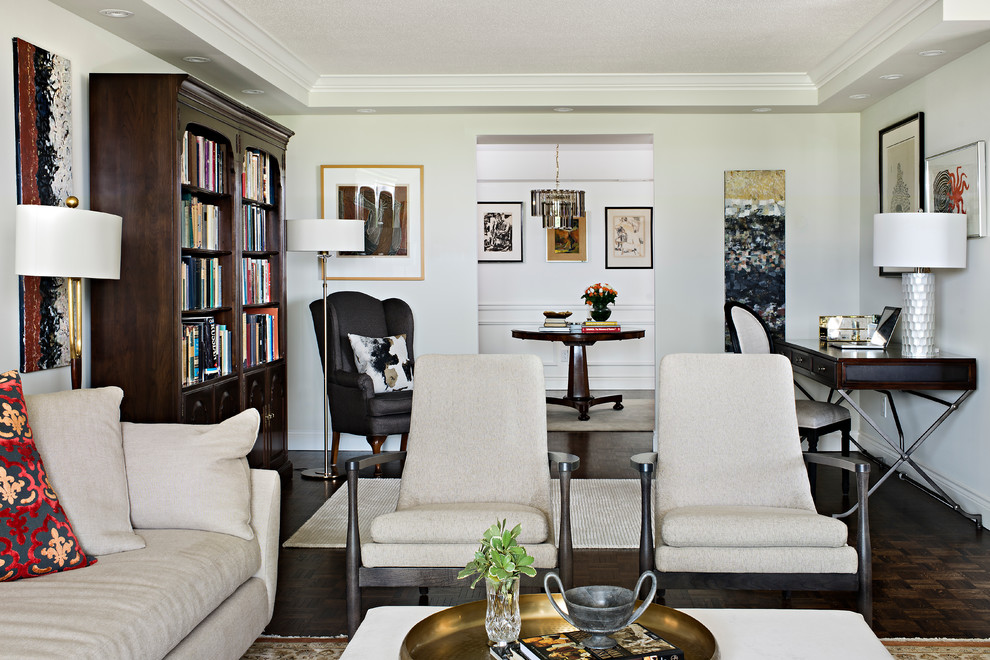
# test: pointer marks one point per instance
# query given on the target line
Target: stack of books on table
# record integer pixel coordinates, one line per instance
(600, 326)
(555, 325)
(634, 642)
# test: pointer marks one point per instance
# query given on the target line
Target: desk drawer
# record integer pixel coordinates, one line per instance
(823, 370)
(802, 362)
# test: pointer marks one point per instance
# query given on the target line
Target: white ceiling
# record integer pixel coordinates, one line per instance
(338, 56)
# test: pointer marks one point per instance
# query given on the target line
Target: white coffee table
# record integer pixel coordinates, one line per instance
(741, 634)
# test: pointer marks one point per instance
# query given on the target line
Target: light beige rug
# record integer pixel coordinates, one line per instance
(938, 649)
(604, 513)
(296, 648)
(636, 415)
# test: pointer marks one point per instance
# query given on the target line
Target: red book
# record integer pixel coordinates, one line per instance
(613, 328)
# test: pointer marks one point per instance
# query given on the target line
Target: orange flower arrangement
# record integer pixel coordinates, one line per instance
(599, 295)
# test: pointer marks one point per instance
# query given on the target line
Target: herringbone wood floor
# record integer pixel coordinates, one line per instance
(931, 566)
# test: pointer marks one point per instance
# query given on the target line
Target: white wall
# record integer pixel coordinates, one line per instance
(514, 295)
(88, 49)
(820, 153)
(955, 101)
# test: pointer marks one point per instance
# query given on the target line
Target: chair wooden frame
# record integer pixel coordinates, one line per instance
(359, 576)
(861, 581)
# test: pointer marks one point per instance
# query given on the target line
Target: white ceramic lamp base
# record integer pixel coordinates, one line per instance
(918, 317)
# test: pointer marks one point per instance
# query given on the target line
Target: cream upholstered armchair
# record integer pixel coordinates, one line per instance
(733, 506)
(477, 454)
(748, 333)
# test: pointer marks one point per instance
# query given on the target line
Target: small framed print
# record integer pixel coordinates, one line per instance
(902, 173)
(629, 237)
(500, 232)
(568, 244)
(954, 184)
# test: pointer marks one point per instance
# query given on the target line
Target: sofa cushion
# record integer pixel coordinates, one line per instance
(385, 360)
(77, 433)
(191, 476)
(136, 604)
(457, 523)
(35, 536)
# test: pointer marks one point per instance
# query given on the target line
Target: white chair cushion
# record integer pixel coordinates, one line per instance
(750, 527)
(816, 414)
(451, 554)
(756, 560)
(457, 523)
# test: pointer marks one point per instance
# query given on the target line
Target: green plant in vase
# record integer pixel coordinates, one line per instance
(501, 561)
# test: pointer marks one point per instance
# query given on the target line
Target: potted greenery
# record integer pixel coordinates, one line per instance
(501, 561)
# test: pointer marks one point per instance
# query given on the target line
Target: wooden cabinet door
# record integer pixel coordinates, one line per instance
(197, 406)
(255, 391)
(277, 419)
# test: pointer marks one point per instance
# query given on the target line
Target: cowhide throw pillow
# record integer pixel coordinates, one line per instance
(385, 359)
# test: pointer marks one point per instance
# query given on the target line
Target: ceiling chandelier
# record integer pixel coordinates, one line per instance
(559, 208)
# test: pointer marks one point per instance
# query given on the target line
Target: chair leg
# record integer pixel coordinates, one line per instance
(812, 468)
(424, 595)
(334, 448)
(846, 437)
(376, 442)
(405, 440)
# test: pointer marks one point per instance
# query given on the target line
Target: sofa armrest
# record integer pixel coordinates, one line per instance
(266, 498)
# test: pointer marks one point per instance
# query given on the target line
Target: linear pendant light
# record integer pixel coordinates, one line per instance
(559, 208)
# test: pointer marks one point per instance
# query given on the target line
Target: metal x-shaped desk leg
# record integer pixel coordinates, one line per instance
(904, 453)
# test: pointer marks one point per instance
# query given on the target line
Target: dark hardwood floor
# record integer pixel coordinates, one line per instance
(931, 567)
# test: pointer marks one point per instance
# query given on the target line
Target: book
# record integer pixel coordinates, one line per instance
(613, 328)
(555, 329)
(602, 324)
(634, 642)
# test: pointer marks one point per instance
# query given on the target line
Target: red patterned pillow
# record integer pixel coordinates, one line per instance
(35, 536)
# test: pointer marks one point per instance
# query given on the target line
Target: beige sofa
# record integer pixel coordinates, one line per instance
(185, 535)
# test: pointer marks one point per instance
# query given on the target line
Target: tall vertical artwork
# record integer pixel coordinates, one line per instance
(42, 101)
(754, 243)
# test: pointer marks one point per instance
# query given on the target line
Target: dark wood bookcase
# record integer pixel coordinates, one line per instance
(142, 130)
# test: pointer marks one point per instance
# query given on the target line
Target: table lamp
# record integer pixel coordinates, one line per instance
(324, 236)
(920, 241)
(63, 241)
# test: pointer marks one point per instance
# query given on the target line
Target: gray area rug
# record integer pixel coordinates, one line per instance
(604, 513)
(636, 415)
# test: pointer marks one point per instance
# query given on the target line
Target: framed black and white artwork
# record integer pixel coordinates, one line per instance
(500, 232)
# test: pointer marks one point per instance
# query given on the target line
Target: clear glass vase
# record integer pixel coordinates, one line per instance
(502, 618)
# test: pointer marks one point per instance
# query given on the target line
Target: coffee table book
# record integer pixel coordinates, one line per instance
(634, 642)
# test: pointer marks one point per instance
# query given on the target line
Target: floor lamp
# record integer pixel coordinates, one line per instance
(919, 241)
(63, 241)
(324, 236)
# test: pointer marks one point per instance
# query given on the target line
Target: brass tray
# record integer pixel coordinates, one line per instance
(458, 633)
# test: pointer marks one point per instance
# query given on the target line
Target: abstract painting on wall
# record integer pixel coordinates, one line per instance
(500, 232)
(754, 243)
(42, 103)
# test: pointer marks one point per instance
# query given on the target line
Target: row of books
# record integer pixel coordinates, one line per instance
(634, 642)
(255, 220)
(561, 325)
(256, 181)
(260, 336)
(256, 281)
(203, 162)
(206, 350)
(200, 224)
(202, 282)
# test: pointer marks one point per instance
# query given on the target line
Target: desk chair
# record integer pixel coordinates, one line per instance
(750, 334)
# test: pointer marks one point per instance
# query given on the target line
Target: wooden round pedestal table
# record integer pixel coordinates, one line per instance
(578, 392)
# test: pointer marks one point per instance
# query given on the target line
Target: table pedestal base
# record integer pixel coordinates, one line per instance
(583, 404)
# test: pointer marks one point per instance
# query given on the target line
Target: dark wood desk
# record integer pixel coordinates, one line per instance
(578, 391)
(884, 371)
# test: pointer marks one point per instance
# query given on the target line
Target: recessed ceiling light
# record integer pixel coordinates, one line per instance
(932, 53)
(252, 91)
(563, 109)
(116, 13)
(367, 111)
(762, 109)
(197, 59)
(892, 76)
(859, 96)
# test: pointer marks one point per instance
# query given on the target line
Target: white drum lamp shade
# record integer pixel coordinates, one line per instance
(920, 241)
(54, 241)
(324, 236)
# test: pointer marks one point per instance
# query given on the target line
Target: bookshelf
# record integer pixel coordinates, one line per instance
(194, 330)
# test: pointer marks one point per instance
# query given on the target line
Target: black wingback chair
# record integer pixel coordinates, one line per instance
(354, 406)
